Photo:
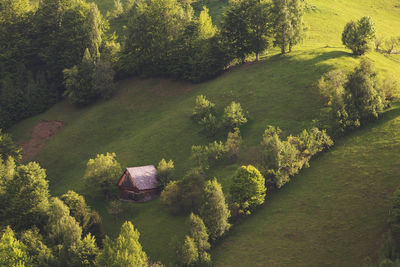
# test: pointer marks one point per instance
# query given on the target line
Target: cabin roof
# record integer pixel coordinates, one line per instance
(144, 177)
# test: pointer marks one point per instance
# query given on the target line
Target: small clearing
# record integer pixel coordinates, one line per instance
(40, 133)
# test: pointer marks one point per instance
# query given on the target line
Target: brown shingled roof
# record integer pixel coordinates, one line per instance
(145, 177)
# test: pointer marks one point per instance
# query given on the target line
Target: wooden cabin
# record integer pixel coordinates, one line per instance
(139, 183)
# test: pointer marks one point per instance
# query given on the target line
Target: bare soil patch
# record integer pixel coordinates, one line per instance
(40, 133)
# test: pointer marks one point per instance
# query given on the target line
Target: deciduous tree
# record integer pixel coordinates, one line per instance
(357, 36)
(214, 210)
(103, 171)
(248, 187)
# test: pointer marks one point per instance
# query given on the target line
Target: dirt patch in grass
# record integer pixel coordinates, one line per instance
(40, 133)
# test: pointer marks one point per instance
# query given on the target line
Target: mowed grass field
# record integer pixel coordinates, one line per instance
(331, 214)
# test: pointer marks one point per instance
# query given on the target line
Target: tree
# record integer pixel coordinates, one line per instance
(170, 196)
(40, 254)
(331, 86)
(146, 54)
(214, 210)
(206, 28)
(246, 28)
(215, 151)
(165, 171)
(355, 99)
(391, 88)
(209, 124)
(358, 35)
(233, 142)
(248, 187)
(77, 207)
(365, 99)
(198, 232)
(103, 79)
(189, 253)
(12, 251)
(203, 108)
(288, 23)
(191, 190)
(125, 250)
(199, 156)
(390, 44)
(259, 26)
(103, 171)
(8, 148)
(85, 252)
(118, 9)
(25, 197)
(62, 228)
(234, 30)
(78, 81)
(234, 116)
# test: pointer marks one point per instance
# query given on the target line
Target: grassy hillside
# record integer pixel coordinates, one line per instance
(332, 213)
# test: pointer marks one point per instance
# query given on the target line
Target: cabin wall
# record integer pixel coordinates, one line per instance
(139, 195)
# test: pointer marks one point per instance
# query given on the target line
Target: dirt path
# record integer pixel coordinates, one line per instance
(40, 133)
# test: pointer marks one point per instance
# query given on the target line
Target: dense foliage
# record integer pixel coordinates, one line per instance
(180, 46)
(37, 43)
(248, 188)
(354, 99)
(102, 171)
(214, 210)
(165, 171)
(288, 24)
(282, 159)
(358, 36)
(125, 250)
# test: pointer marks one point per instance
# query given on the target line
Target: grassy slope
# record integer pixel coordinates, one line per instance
(149, 119)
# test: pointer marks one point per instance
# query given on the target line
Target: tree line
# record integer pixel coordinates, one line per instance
(66, 48)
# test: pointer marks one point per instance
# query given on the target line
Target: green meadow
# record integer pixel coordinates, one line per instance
(331, 214)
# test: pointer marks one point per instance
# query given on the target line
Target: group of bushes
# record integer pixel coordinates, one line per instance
(205, 115)
(282, 159)
(355, 98)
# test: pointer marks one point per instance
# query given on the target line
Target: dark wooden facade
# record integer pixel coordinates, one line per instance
(130, 191)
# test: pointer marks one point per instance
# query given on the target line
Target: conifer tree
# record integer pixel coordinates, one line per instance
(125, 250)
(12, 251)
